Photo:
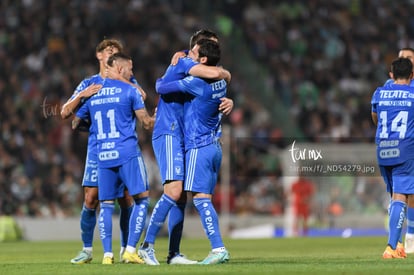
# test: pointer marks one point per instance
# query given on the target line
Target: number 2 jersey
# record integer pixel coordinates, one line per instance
(113, 121)
(394, 106)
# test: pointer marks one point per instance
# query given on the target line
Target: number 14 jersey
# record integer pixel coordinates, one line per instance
(394, 106)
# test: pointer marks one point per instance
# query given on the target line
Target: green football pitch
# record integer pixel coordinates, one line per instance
(357, 255)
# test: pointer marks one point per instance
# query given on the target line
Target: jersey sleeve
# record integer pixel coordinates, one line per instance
(389, 81)
(190, 84)
(136, 98)
(134, 81)
(187, 63)
(374, 101)
(83, 112)
(81, 86)
(163, 87)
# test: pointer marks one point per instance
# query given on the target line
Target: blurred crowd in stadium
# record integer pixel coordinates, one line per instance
(324, 59)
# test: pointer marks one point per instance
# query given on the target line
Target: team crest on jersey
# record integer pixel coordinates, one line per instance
(178, 170)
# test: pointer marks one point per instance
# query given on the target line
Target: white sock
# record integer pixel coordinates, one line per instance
(219, 249)
(130, 249)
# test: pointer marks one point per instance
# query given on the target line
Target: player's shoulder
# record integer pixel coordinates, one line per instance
(186, 62)
(194, 80)
(388, 82)
(93, 79)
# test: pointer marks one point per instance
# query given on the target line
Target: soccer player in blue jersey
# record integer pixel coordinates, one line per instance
(409, 236)
(393, 114)
(168, 144)
(202, 130)
(113, 111)
(84, 90)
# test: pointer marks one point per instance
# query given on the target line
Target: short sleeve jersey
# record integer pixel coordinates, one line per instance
(113, 121)
(394, 106)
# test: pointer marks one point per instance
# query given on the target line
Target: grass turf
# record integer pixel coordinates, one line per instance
(359, 255)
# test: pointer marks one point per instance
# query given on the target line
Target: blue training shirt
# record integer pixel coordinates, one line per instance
(113, 121)
(202, 119)
(394, 105)
(170, 109)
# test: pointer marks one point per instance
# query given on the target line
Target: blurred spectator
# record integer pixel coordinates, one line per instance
(22, 191)
(70, 195)
(303, 190)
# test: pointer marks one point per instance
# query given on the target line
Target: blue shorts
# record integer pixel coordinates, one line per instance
(399, 178)
(90, 175)
(132, 173)
(202, 166)
(169, 152)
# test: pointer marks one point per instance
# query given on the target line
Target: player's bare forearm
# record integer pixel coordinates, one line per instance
(210, 72)
(225, 74)
(374, 117)
(69, 107)
(142, 92)
(75, 123)
(72, 104)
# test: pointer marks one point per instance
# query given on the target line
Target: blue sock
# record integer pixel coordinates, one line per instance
(410, 220)
(397, 216)
(124, 224)
(389, 209)
(105, 225)
(87, 225)
(159, 214)
(175, 227)
(137, 220)
(210, 222)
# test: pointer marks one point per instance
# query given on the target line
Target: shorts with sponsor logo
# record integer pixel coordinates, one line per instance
(131, 175)
(202, 167)
(169, 152)
(399, 178)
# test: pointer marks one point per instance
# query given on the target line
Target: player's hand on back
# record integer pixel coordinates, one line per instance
(226, 105)
(91, 90)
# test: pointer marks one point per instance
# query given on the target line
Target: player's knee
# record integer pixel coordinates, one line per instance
(174, 190)
(126, 201)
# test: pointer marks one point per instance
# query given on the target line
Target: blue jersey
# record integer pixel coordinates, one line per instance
(170, 109)
(202, 119)
(394, 105)
(113, 121)
(391, 81)
(95, 79)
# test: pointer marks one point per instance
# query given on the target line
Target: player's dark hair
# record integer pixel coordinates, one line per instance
(117, 56)
(210, 49)
(200, 34)
(109, 43)
(402, 68)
